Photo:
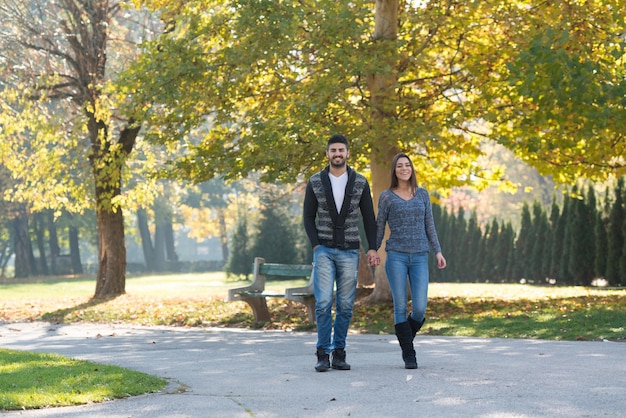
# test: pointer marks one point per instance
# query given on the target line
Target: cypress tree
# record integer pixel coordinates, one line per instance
(482, 256)
(454, 245)
(602, 236)
(522, 245)
(505, 247)
(240, 259)
(539, 236)
(555, 241)
(564, 276)
(304, 249)
(511, 261)
(275, 240)
(435, 275)
(474, 235)
(442, 222)
(622, 264)
(616, 235)
(590, 229)
(491, 248)
(460, 244)
(582, 248)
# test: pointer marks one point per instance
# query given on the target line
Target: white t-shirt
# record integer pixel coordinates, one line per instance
(339, 185)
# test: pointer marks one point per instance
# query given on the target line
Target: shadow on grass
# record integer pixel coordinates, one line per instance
(59, 316)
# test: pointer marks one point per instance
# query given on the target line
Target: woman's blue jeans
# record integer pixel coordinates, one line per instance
(398, 267)
(330, 266)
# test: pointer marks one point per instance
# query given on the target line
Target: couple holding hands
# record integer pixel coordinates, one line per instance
(334, 197)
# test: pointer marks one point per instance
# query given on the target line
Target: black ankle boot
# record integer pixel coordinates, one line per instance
(405, 338)
(323, 361)
(339, 359)
(415, 326)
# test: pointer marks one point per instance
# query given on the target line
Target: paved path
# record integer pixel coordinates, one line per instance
(241, 373)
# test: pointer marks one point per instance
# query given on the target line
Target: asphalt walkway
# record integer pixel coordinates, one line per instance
(241, 373)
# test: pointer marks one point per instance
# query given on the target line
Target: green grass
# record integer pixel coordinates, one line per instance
(40, 380)
(527, 311)
(199, 300)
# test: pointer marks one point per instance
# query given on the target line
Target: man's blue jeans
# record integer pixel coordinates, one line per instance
(398, 266)
(330, 266)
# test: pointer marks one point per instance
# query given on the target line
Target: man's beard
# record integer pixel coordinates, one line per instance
(340, 164)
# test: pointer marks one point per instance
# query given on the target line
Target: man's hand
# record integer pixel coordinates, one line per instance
(372, 258)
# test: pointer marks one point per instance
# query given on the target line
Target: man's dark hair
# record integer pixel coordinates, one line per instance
(337, 138)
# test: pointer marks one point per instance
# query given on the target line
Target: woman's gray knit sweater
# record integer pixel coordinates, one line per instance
(410, 222)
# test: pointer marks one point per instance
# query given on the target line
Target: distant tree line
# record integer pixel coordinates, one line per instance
(42, 245)
(571, 244)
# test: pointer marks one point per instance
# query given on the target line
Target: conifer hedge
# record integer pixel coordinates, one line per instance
(575, 243)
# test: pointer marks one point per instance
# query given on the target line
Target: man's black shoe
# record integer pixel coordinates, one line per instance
(323, 362)
(339, 359)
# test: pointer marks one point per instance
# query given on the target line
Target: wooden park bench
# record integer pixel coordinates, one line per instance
(256, 296)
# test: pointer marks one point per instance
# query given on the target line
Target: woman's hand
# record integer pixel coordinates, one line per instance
(441, 261)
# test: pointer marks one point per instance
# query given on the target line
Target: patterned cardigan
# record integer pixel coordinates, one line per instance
(325, 226)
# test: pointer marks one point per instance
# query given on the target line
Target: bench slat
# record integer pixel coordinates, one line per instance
(262, 294)
(288, 270)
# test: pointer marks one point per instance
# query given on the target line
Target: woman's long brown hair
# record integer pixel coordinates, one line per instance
(394, 178)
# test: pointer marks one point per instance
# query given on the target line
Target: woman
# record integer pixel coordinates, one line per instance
(407, 210)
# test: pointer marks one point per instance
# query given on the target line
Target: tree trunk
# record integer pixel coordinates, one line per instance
(159, 243)
(23, 248)
(107, 171)
(381, 87)
(40, 230)
(146, 239)
(170, 241)
(77, 265)
(5, 254)
(53, 244)
(107, 166)
(111, 280)
(223, 234)
(366, 274)
(381, 166)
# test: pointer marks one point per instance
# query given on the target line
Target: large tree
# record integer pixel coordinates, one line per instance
(259, 86)
(55, 66)
(562, 108)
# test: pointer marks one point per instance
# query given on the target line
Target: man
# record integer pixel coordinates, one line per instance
(332, 202)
